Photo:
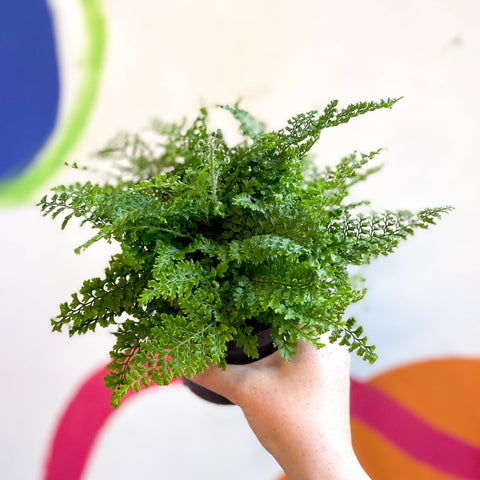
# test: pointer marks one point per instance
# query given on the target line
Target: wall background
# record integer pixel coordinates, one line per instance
(120, 63)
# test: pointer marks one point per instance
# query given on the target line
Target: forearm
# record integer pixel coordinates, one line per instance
(312, 450)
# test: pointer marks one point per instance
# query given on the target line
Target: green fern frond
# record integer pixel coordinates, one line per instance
(219, 242)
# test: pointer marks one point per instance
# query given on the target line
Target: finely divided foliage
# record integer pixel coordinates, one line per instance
(218, 242)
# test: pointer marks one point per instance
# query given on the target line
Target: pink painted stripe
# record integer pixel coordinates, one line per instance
(90, 408)
(78, 428)
(412, 434)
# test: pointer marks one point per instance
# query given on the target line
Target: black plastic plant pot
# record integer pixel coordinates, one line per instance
(235, 356)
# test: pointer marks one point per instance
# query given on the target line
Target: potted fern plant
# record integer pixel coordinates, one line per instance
(219, 243)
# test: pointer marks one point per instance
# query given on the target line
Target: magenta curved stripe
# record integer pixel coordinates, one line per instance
(413, 435)
(78, 428)
(90, 408)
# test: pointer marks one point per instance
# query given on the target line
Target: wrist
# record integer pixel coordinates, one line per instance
(336, 468)
(331, 459)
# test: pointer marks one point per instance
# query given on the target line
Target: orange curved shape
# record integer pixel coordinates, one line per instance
(395, 416)
(384, 461)
(444, 394)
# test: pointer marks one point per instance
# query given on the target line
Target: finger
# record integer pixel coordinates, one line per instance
(306, 351)
(224, 382)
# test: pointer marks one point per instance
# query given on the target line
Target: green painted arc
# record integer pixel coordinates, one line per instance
(20, 189)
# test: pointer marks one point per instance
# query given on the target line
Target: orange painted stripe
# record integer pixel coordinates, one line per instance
(444, 393)
(383, 461)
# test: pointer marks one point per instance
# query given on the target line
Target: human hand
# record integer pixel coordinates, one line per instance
(299, 410)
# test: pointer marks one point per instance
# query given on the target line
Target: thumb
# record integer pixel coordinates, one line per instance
(223, 382)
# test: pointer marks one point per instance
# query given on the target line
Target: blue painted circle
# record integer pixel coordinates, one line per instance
(29, 82)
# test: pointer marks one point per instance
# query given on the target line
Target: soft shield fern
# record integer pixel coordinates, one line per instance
(219, 242)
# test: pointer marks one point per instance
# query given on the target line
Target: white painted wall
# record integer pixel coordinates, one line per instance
(281, 57)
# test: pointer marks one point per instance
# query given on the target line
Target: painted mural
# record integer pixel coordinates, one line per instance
(63, 92)
(410, 422)
(30, 84)
(33, 144)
